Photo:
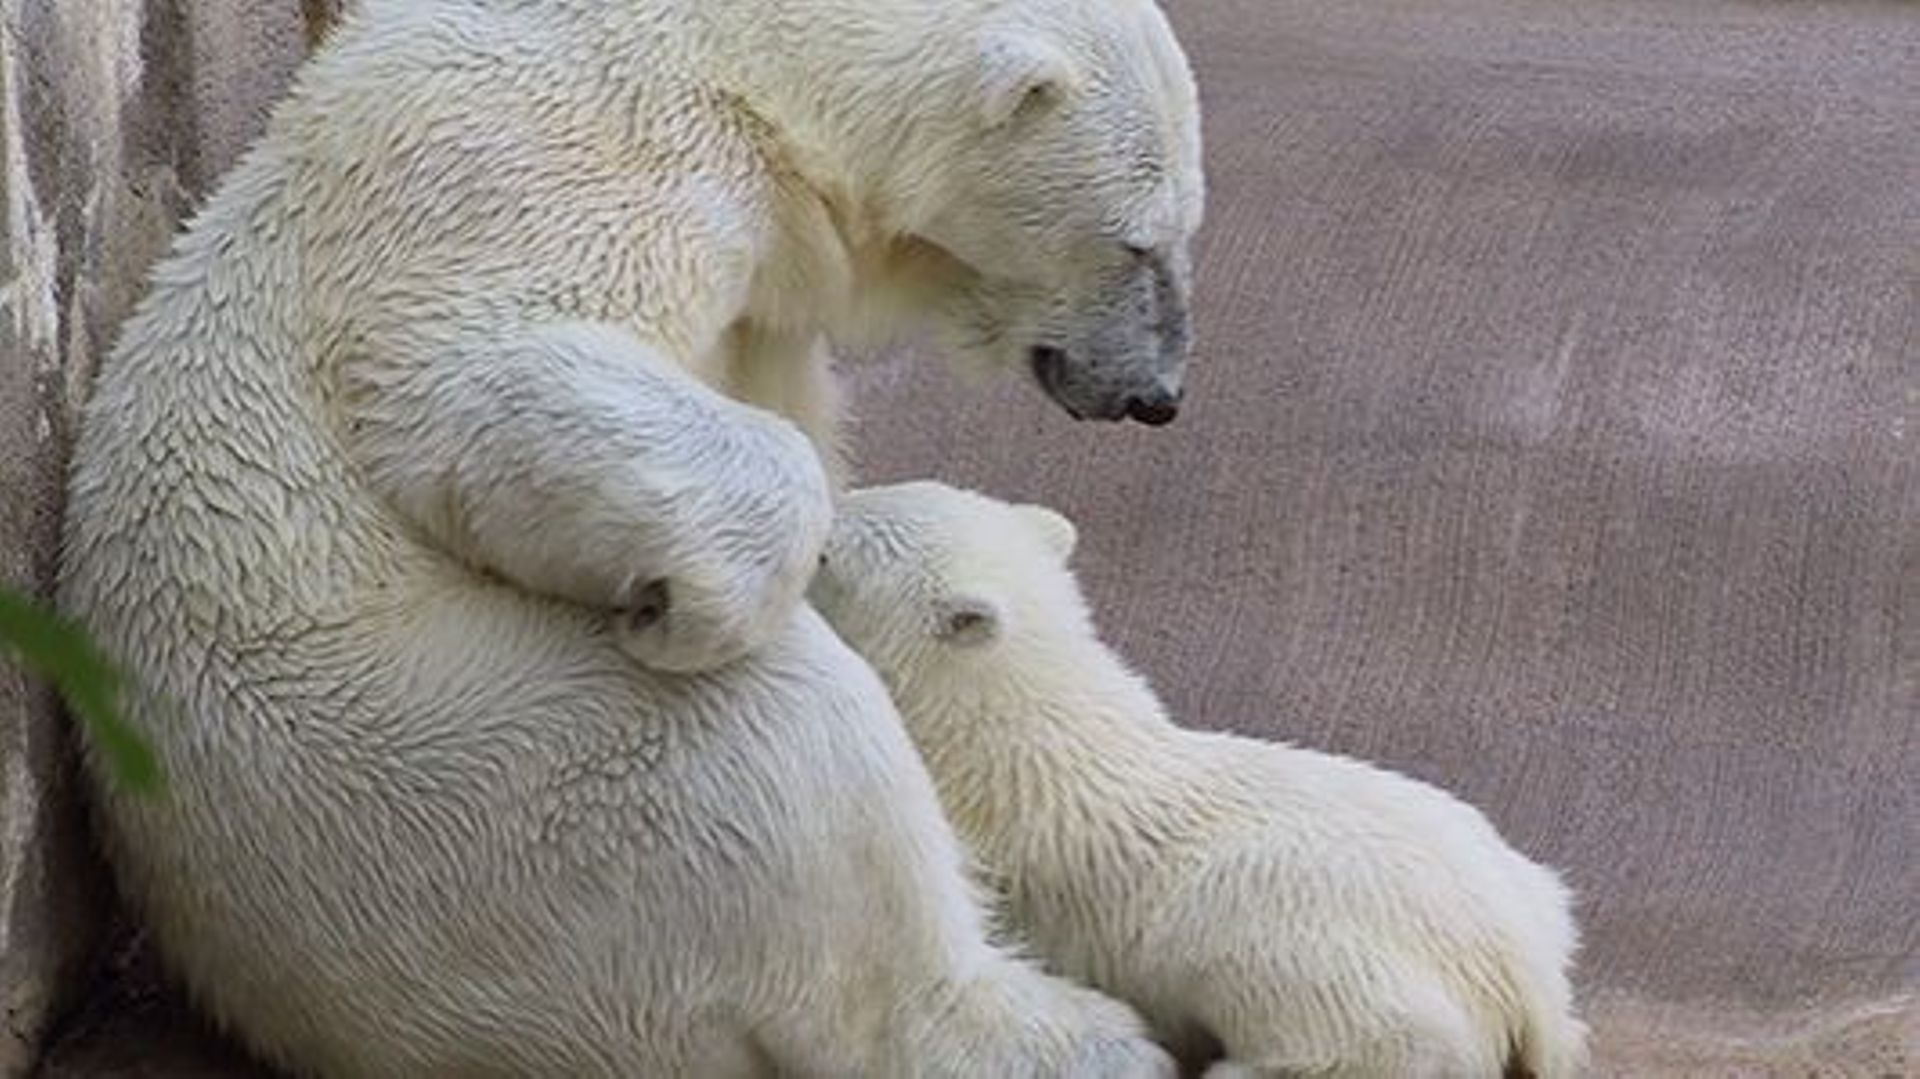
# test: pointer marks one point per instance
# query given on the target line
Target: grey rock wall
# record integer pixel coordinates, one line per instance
(114, 117)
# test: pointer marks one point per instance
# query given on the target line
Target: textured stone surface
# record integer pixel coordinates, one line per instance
(114, 114)
(134, 1025)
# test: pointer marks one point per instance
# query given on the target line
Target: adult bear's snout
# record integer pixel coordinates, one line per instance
(1155, 409)
(1155, 404)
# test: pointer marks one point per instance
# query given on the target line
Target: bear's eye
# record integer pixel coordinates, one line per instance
(962, 623)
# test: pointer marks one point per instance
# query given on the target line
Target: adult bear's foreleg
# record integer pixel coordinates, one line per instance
(578, 462)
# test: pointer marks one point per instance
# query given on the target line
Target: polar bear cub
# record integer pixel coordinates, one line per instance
(1302, 912)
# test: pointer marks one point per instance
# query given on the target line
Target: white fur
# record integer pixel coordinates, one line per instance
(1314, 914)
(457, 370)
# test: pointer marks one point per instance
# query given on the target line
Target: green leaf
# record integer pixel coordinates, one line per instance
(62, 653)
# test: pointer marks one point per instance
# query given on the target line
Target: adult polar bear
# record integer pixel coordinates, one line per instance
(434, 421)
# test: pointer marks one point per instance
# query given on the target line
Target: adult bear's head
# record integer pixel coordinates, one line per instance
(1032, 170)
(1067, 202)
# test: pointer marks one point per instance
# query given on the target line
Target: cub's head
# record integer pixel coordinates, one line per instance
(1061, 204)
(930, 583)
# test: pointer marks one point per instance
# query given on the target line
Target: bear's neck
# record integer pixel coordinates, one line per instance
(845, 136)
(798, 71)
(1076, 752)
(850, 125)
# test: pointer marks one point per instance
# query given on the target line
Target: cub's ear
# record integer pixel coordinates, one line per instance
(1021, 74)
(966, 620)
(1053, 527)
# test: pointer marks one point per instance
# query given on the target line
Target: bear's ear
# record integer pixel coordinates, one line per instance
(966, 620)
(1020, 74)
(1053, 527)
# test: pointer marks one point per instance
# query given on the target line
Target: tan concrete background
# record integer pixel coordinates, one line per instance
(1552, 437)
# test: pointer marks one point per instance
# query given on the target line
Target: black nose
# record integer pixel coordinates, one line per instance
(1154, 410)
